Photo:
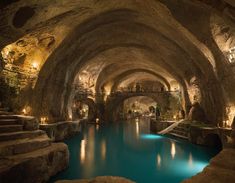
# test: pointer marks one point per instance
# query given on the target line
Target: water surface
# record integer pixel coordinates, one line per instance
(128, 149)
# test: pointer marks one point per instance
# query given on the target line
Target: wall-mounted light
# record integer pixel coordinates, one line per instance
(35, 65)
(231, 55)
(24, 111)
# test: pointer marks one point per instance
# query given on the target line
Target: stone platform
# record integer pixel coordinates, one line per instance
(197, 133)
(61, 130)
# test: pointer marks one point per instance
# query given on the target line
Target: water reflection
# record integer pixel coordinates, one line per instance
(103, 149)
(129, 150)
(83, 151)
(190, 161)
(97, 127)
(137, 128)
(173, 151)
(159, 161)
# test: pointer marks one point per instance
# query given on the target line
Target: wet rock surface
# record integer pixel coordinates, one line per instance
(59, 131)
(36, 166)
(220, 170)
(103, 179)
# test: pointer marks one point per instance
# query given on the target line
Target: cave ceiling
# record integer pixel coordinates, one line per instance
(101, 43)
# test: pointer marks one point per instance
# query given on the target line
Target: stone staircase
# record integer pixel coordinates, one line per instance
(27, 153)
(181, 131)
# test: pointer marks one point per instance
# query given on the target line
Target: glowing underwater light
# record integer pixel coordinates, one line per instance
(150, 136)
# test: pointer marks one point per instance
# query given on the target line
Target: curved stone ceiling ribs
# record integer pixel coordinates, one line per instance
(166, 46)
(122, 34)
(127, 74)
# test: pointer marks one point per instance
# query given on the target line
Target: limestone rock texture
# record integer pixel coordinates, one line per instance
(53, 50)
(220, 169)
(35, 166)
(26, 153)
(101, 179)
(60, 131)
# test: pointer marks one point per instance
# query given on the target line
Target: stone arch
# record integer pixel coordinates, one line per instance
(92, 112)
(87, 29)
(161, 79)
(113, 102)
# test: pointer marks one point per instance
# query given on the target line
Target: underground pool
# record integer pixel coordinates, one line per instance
(129, 150)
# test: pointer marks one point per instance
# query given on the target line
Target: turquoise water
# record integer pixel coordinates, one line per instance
(129, 150)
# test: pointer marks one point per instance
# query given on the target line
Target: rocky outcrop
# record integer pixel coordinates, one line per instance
(61, 130)
(220, 170)
(197, 113)
(102, 179)
(36, 166)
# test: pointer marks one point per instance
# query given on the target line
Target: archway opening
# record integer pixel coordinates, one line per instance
(80, 110)
(139, 106)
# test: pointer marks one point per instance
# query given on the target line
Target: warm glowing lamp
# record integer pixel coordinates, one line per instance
(43, 120)
(35, 65)
(24, 111)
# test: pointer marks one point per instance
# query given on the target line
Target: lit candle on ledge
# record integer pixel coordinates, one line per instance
(24, 111)
(43, 120)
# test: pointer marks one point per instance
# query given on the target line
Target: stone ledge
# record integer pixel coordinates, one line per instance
(36, 166)
(61, 130)
(101, 179)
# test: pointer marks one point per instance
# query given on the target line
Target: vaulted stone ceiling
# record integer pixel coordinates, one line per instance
(101, 40)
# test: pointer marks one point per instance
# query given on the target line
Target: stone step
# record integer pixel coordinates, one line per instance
(19, 146)
(10, 128)
(179, 132)
(8, 117)
(177, 135)
(20, 135)
(181, 128)
(5, 113)
(9, 122)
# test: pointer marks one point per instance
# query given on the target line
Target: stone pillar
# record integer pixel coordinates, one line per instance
(233, 132)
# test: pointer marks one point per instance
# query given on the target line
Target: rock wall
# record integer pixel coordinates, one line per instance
(35, 167)
(221, 169)
(59, 131)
